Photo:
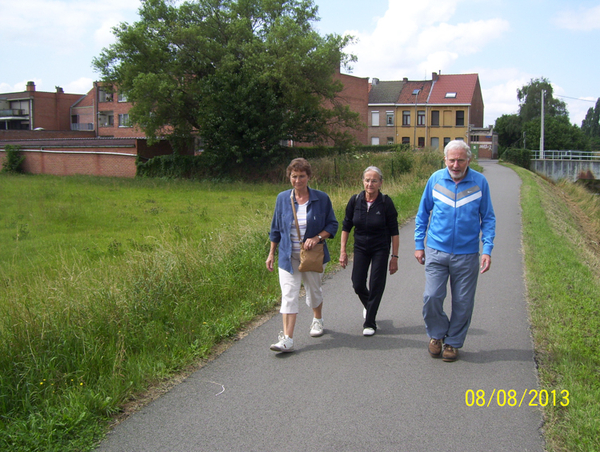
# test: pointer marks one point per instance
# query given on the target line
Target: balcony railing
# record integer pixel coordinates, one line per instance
(13, 112)
(83, 126)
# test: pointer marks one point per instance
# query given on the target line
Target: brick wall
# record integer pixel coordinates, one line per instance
(93, 162)
(15, 135)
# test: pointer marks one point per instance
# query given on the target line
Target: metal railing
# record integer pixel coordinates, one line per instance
(13, 112)
(567, 155)
(82, 126)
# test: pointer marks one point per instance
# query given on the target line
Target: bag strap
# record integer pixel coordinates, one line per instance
(296, 218)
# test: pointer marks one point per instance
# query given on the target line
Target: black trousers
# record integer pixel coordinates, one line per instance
(370, 296)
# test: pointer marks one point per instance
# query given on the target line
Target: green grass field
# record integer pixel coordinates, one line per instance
(109, 286)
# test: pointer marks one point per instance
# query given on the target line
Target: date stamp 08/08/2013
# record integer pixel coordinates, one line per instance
(512, 398)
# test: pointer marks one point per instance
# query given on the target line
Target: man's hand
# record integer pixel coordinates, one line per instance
(486, 262)
(420, 256)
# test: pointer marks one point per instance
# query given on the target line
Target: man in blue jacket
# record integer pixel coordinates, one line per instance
(455, 213)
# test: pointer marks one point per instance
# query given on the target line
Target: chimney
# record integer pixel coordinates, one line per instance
(434, 76)
(405, 79)
(374, 81)
(59, 89)
(30, 86)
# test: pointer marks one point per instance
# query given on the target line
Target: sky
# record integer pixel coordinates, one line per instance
(507, 42)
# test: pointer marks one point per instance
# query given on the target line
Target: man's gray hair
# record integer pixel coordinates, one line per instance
(373, 168)
(458, 144)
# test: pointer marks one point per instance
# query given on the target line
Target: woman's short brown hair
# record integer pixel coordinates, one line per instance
(299, 165)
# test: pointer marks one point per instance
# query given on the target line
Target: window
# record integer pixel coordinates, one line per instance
(375, 118)
(124, 120)
(435, 117)
(421, 142)
(421, 117)
(451, 95)
(405, 140)
(406, 118)
(446, 141)
(435, 143)
(375, 141)
(104, 95)
(390, 140)
(460, 118)
(122, 97)
(106, 119)
(389, 118)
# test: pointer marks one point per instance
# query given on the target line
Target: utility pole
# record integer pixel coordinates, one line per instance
(542, 130)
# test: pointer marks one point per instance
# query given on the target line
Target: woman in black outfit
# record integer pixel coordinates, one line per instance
(375, 221)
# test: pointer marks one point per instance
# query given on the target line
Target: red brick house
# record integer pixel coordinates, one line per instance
(66, 134)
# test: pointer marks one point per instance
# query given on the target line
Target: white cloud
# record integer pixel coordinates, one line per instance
(65, 26)
(584, 19)
(414, 39)
(80, 86)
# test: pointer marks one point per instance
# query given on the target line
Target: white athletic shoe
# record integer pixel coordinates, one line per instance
(368, 332)
(285, 344)
(316, 329)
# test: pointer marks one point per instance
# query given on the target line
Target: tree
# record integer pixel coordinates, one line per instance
(509, 129)
(559, 134)
(244, 75)
(591, 125)
(530, 101)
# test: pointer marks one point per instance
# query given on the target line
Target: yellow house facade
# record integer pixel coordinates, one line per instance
(427, 113)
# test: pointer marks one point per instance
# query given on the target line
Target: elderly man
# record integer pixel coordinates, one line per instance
(455, 212)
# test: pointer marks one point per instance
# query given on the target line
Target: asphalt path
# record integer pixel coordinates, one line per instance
(346, 392)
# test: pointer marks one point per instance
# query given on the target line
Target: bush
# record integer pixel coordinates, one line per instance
(520, 157)
(14, 159)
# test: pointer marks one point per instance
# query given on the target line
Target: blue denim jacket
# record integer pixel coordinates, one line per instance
(319, 216)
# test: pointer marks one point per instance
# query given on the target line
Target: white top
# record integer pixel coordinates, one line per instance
(301, 214)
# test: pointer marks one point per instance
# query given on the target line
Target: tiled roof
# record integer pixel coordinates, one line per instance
(463, 85)
(385, 92)
(407, 96)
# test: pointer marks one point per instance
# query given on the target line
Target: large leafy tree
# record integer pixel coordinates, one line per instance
(591, 125)
(523, 129)
(244, 75)
(530, 101)
(559, 134)
(509, 129)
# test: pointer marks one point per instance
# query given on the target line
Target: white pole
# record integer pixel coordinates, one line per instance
(542, 128)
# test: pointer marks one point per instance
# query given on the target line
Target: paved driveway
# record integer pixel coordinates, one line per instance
(346, 392)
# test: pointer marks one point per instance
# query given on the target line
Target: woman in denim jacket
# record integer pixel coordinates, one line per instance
(317, 223)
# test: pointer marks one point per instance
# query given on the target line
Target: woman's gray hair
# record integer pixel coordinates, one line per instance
(373, 168)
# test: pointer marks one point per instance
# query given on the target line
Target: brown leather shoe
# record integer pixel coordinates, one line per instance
(450, 353)
(435, 347)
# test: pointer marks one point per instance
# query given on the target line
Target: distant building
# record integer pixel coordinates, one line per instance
(31, 109)
(425, 113)
(66, 134)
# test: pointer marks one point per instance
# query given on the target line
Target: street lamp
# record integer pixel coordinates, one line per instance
(416, 94)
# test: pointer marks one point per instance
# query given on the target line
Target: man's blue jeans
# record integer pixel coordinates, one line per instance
(463, 270)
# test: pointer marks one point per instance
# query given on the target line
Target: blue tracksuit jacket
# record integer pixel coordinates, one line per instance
(454, 216)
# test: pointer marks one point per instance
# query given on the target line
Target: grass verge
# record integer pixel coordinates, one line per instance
(110, 286)
(562, 260)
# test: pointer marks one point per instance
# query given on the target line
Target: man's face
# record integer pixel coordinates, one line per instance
(457, 163)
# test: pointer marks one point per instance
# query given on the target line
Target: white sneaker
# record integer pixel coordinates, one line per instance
(316, 329)
(285, 344)
(368, 332)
